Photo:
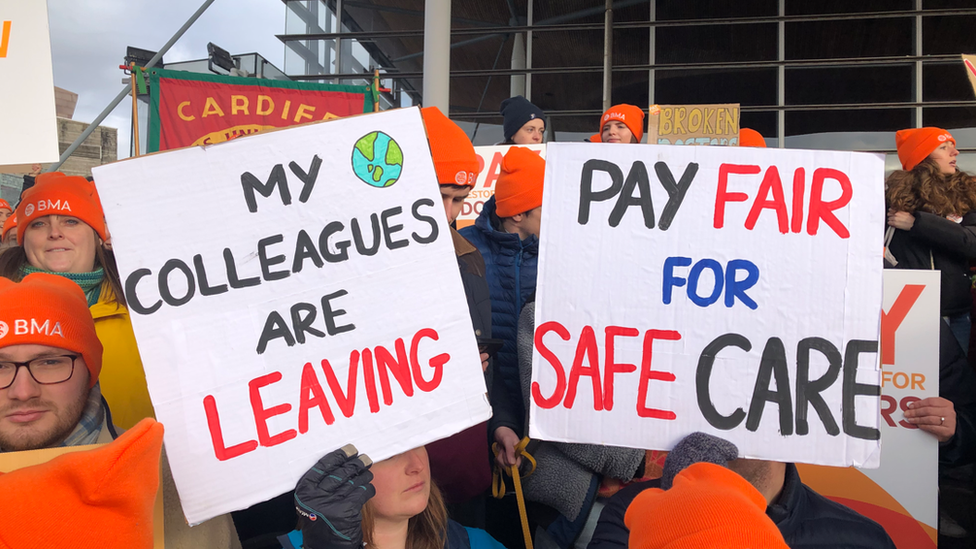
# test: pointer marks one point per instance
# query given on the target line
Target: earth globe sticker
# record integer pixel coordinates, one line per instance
(377, 159)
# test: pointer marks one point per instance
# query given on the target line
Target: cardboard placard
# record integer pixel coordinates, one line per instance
(28, 116)
(292, 292)
(693, 124)
(734, 291)
(489, 168)
(969, 61)
(903, 494)
(11, 461)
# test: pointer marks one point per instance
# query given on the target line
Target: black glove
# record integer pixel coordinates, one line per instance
(330, 497)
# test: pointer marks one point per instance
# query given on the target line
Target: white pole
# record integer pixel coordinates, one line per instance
(437, 54)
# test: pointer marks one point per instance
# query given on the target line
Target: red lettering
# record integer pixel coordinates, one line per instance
(722, 196)
(437, 362)
(888, 406)
(646, 374)
(347, 401)
(222, 452)
(262, 414)
(494, 170)
(891, 320)
(399, 366)
(312, 396)
(370, 379)
(799, 179)
(770, 182)
(586, 348)
(824, 210)
(550, 357)
(612, 367)
(904, 408)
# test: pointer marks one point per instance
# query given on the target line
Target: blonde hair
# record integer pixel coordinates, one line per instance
(427, 530)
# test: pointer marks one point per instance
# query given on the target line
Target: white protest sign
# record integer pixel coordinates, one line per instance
(28, 117)
(734, 291)
(489, 168)
(902, 495)
(291, 292)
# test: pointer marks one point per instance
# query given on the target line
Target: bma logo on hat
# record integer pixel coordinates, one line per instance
(3, 329)
(29, 210)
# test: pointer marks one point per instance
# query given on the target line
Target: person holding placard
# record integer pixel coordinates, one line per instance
(345, 501)
(51, 362)
(620, 124)
(524, 123)
(507, 235)
(460, 463)
(62, 231)
(932, 219)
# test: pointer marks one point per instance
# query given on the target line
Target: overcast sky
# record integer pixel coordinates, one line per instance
(89, 38)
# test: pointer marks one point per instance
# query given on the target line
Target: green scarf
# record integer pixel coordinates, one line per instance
(91, 283)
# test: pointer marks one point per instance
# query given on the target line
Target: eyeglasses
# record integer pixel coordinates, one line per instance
(48, 370)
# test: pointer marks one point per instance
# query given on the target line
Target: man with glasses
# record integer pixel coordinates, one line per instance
(50, 358)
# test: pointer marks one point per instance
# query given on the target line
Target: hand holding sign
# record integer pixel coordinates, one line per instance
(935, 415)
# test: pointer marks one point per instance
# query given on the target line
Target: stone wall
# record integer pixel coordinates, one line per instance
(101, 147)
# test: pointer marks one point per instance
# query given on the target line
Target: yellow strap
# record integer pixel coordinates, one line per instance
(498, 483)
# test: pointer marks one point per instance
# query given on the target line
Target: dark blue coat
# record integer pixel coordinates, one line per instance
(510, 264)
(806, 519)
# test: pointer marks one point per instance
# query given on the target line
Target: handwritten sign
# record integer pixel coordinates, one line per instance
(693, 124)
(28, 90)
(718, 289)
(903, 494)
(291, 292)
(489, 168)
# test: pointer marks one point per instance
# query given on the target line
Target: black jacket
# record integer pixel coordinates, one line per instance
(952, 246)
(806, 519)
(957, 382)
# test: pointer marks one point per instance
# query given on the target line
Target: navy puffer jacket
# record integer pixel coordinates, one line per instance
(510, 264)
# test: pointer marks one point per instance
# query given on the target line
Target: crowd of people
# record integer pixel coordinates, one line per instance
(74, 377)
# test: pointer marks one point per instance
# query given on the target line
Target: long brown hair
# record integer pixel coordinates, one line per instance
(925, 188)
(428, 530)
(13, 259)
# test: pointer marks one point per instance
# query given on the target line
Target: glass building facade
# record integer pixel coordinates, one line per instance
(830, 74)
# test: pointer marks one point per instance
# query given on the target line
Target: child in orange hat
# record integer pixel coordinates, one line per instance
(620, 124)
(932, 219)
(518, 192)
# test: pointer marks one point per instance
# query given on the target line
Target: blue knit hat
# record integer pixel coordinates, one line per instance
(517, 111)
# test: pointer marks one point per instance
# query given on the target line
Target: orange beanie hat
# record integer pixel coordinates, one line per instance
(707, 506)
(631, 116)
(10, 223)
(4, 205)
(47, 309)
(519, 187)
(751, 138)
(58, 194)
(452, 152)
(916, 144)
(92, 499)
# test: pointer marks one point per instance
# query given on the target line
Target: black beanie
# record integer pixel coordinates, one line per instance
(517, 111)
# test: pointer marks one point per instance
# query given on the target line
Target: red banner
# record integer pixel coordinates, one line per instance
(202, 109)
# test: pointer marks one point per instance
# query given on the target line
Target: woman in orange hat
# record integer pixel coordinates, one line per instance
(620, 124)
(61, 230)
(932, 219)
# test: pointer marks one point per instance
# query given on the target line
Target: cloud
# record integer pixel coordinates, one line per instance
(89, 40)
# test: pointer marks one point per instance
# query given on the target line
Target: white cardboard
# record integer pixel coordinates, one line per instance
(910, 457)
(30, 133)
(191, 201)
(601, 276)
(490, 161)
